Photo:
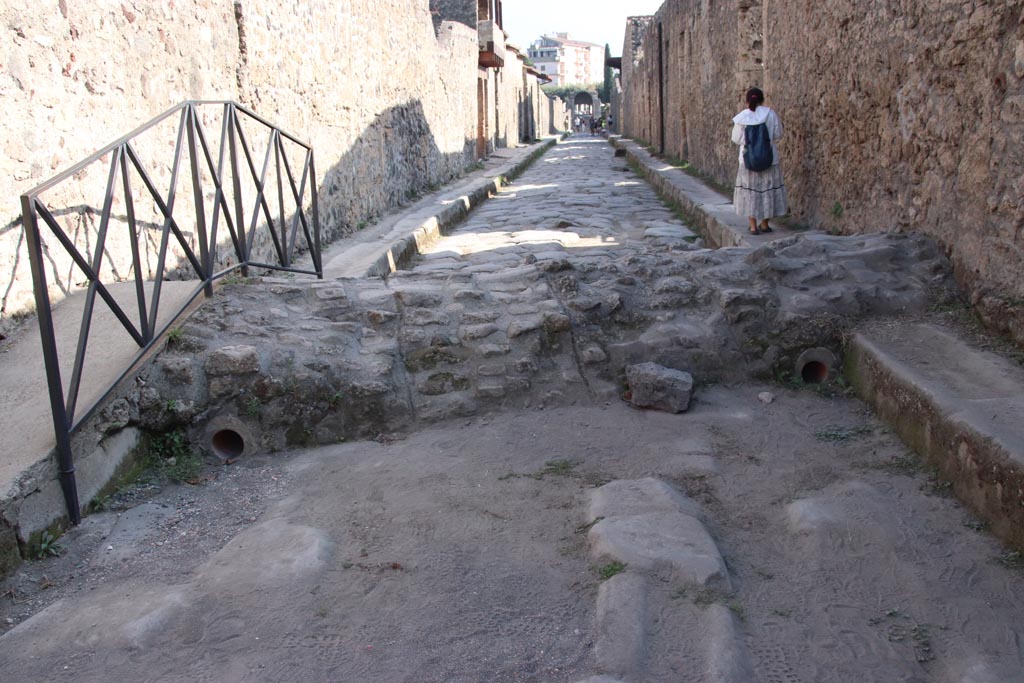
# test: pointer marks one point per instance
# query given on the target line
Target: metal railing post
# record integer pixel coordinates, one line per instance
(61, 428)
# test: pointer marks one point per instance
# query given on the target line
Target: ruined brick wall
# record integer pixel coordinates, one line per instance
(388, 102)
(905, 115)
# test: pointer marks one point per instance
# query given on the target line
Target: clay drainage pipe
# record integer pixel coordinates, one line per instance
(228, 438)
(815, 366)
(227, 444)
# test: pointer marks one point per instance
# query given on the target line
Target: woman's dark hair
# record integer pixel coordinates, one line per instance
(754, 98)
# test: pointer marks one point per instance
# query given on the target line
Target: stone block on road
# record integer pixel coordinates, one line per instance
(627, 497)
(662, 541)
(655, 386)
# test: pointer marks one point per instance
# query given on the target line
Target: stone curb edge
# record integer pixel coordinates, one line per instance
(671, 183)
(978, 462)
(401, 252)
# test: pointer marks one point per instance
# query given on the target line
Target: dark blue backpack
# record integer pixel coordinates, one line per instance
(757, 156)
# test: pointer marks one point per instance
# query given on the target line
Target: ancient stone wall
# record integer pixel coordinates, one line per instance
(899, 115)
(390, 113)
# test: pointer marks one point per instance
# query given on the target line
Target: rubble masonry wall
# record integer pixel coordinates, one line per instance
(899, 115)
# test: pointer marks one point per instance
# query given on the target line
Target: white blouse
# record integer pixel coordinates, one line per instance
(762, 114)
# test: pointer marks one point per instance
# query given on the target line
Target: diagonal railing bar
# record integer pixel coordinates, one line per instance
(165, 207)
(197, 198)
(219, 200)
(261, 200)
(297, 197)
(242, 246)
(86, 269)
(262, 203)
(201, 251)
(280, 202)
(90, 295)
(133, 236)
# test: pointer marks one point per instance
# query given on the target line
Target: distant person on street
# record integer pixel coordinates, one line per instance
(760, 192)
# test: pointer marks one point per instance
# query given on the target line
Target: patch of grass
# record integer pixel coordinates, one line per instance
(736, 607)
(708, 596)
(977, 525)
(252, 407)
(838, 434)
(101, 503)
(785, 613)
(837, 211)
(171, 454)
(1011, 559)
(236, 279)
(920, 636)
(607, 571)
(174, 336)
(558, 468)
(937, 485)
(906, 464)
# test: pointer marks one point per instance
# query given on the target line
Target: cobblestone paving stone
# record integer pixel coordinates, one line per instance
(542, 297)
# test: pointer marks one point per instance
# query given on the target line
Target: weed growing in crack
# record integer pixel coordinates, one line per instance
(977, 525)
(48, 546)
(736, 607)
(171, 454)
(906, 464)
(252, 407)
(607, 571)
(175, 336)
(1012, 559)
(585, 528)
(558, 468)
(837, 434)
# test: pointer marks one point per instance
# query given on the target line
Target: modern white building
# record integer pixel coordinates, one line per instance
(567, 61)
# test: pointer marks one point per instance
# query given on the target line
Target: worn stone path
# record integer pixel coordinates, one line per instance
(513, 520)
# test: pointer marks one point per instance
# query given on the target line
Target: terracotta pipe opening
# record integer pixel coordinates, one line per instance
(814, 372)
(227, 444)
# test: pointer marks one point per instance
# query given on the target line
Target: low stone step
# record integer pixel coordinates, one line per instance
(958, 406)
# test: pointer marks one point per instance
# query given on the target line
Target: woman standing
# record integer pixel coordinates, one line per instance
(759, 194)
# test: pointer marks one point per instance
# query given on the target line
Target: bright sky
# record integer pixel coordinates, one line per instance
(592, 21)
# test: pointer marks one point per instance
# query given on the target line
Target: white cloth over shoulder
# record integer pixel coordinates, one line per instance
(762, 114)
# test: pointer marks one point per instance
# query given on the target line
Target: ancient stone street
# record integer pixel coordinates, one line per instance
(512, 518)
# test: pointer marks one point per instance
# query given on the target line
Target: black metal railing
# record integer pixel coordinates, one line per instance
(181, 241)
